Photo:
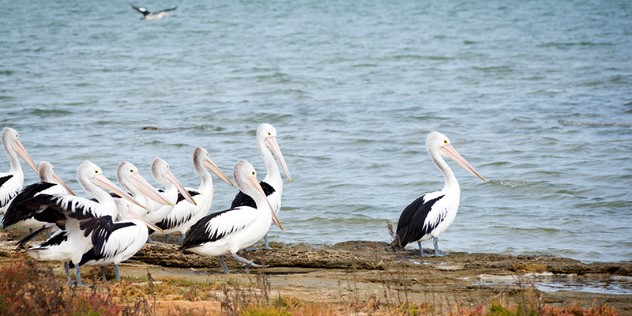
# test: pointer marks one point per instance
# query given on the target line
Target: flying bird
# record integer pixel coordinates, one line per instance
(147, 15)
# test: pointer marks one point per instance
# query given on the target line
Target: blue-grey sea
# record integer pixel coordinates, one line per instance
(537, 95)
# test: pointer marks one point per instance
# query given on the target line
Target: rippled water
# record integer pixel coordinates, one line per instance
(537, 96)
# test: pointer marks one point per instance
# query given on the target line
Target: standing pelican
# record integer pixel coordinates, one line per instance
(78, 217)
(184, 213)
(432, 213)
(229, 231)
(120, 239)
(11, 182)
(49, 184)
(272, 184)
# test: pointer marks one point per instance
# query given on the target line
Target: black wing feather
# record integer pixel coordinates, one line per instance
(29, 237)
(410, 225)
(22, 206)
(198, 235)
(242, 199)
(101, 229)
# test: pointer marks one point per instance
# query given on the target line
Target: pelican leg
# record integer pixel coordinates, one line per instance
(67, 270)
(266, 246)
(421, 250)
(103, 273)
(435, 242)
(116, 272)
(246, 261)
(78, 275)
(223, 263)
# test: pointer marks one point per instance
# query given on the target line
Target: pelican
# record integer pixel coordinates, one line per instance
(130, 179)
(432, 213)
(153, 15)
(184, 213)
(229, 231)
(119, 240)
(49, 184)
(272, 184)
(11, 183)
(78, 217)
(161, 172)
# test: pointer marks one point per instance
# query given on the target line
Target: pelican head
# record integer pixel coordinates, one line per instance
(439, 143)
(266, 134)
(12, 143)
(201, 156)
(128, 176)
(47, 174)
(91, 172)
(162, 174)
(245, 176)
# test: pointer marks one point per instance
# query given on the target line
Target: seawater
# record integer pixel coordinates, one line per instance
(536, 95)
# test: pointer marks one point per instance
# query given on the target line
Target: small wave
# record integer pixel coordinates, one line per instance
(50, 112)
(593, 124)
(6, 72)
(512, 183)
(574, 44)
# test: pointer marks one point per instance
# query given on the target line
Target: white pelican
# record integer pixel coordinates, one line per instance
(144, 193)
(272, 184)
(432, 213)
(184, 214)
(153, 15)
(229, 231)
(11, 183)
(78, 217)
(49, 184)
(119, 240)
(162, 173)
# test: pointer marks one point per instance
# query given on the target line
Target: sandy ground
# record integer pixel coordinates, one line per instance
(368, 272)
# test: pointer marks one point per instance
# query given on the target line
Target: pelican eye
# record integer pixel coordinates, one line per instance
(445, 141)
(254, 173)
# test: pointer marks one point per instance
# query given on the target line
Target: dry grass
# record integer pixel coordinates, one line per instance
(28, 289)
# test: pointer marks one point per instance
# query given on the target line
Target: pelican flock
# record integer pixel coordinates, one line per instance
(113, 222)
(272, 184)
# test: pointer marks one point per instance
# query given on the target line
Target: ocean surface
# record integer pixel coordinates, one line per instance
(537, 95)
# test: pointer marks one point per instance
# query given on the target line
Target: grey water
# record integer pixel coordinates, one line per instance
(537, 95)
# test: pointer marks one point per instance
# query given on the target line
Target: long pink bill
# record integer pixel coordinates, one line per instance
(217, 171)
(185, 193)
(59, 181)
(20, 150)
(276, 151)
(257, 186)
(149, 190)
(449, 151)
(148, 224)
(108, 185)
